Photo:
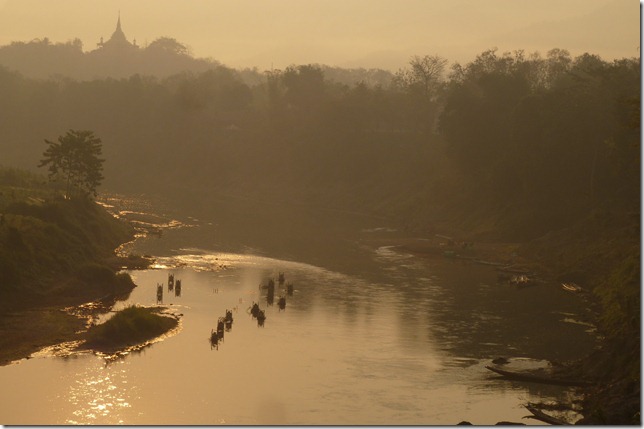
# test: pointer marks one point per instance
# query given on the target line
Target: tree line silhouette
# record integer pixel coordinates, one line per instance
(506, 132)
(44, 59)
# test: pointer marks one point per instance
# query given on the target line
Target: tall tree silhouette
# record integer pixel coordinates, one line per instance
(74, 159)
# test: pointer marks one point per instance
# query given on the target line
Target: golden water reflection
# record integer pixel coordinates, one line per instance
(345, 351)
(100, 395)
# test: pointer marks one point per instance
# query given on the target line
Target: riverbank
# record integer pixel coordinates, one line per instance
(599, 254)
(57, 265)
(60, 319)
(501, 254)
(24, 332)
(59, 307)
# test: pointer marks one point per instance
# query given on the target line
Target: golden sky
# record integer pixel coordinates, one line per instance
(345, 33)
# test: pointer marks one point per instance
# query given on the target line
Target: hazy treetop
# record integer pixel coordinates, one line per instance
(345, 33)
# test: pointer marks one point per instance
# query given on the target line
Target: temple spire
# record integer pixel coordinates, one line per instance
(118, 23)
(118, 39)
(118, 36)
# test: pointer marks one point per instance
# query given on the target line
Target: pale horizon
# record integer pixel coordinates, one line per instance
(355, 33)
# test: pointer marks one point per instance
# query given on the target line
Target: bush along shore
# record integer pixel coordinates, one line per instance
(132, 326)
(54, 253)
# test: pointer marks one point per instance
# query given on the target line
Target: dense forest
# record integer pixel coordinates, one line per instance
(510, 146)
(542, 141)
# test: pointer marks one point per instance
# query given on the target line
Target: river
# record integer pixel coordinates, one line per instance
(370, 336)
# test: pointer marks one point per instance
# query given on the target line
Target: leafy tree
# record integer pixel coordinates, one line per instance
(479, 107)
(75, 159)
(305, 86)
(424, 75)
(422, 82)
(297, 98)
(168, 44)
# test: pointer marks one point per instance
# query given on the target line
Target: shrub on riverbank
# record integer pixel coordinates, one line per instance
(131, 326)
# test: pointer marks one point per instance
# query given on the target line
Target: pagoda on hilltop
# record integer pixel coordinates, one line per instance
(118, 41)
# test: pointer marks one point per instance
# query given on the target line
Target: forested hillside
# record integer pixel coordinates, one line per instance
(530, 143)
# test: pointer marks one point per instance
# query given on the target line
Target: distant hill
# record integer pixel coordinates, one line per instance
(115, 58)
(119, 58)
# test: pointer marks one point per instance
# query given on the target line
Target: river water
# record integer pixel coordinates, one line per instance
(370, 336)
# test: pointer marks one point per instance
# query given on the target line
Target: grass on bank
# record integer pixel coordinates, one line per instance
(131, 326)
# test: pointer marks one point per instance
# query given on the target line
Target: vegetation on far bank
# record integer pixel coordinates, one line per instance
(131, 326)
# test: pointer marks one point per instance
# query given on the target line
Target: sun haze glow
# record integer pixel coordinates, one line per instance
(345, 33)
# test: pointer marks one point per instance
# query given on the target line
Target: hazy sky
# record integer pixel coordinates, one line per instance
(346, 33)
